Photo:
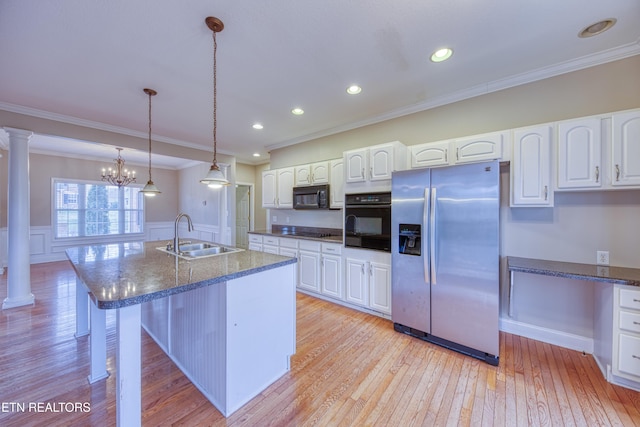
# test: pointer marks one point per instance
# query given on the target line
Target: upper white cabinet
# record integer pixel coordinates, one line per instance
(269, 189)
(336, 184)
(430, 154)
(625, 153)
(531, 167)
(277, 188)
(579, 150)
(479, 147)
(374, 163)
(475, 148)
(313, 174)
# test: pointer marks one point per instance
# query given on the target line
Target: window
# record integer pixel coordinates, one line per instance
(89, 209)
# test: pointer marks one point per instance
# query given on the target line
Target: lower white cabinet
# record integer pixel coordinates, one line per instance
(368, 282)
(255, 242)
(309, 266)
(626, 333)
(355, 276)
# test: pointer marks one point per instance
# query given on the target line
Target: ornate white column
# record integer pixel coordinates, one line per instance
(18, 221)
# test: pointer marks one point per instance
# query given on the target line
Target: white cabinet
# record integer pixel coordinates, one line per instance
(479, 148)
(331, 270)
(579, 151)
(430, 154)
(336, 184)
(625, 153)
(269, 189)
(626, 332)
(277, 188)
(309, 265)
(270, 245)
(356, 281)
(380, 287)
(313, 174)
(368, 282)
(255, 242)
(531, 167)
(375, 163)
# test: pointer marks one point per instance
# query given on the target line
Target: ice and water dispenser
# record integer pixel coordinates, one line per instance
(409, 239)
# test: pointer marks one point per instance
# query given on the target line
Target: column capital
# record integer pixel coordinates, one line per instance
(18, 133)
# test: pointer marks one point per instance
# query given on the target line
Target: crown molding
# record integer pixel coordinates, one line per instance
(577, 64)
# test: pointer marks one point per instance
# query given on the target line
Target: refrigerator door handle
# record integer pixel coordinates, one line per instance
(425, 219)
(432, 236)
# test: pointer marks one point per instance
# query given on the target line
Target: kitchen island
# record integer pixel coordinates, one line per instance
(228, 321)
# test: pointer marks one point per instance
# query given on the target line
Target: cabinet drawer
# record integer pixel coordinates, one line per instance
(309, 245)
(629, 321)
(288, 243)
(629, 355)
(270, 240)
(630, 299)
(255, 238)
(331, 248)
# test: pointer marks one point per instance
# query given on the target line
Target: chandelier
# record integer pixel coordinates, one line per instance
(150, 189)
(118, 175)
(215, 178)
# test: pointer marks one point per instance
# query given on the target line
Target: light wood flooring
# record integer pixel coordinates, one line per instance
(350, 369)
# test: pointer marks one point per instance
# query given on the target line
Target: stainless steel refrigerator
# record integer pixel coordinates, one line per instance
(445, 256)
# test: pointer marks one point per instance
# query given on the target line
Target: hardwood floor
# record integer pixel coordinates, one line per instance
(350, 369)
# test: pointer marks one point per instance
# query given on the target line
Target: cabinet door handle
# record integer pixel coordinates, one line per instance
(457, 154)
(362, 267)
(635, 357)
(597, 173)
(362, 173)
(636, 300)
(446, 160)
(546, 192)
(636, 323)
(370, 172)
(617, 172)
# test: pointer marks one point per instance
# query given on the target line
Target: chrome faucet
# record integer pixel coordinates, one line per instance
(176, 239)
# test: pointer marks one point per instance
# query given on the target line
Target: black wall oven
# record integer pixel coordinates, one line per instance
(367, 221)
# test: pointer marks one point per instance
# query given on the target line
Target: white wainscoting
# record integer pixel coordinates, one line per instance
(44, 248)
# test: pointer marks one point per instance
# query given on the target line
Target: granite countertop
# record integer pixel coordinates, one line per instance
(593, 272)
(123, 274)
(330, 235)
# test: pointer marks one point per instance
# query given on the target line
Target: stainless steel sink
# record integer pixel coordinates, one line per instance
(201, 250)
(197, 246)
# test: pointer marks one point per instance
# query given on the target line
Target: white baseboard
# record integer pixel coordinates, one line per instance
(551, 336)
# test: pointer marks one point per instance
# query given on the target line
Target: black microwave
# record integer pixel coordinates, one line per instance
(312, 197)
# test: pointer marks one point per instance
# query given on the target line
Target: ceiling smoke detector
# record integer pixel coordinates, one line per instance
(597, 28)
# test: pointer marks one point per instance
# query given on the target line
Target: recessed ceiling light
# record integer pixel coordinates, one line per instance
(441, 54)
(354, 90)
(257, 126)
(297, 111)
(597, 28)
(256, 154)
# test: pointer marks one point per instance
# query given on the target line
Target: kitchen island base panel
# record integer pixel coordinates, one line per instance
(129, 363)
(97, 343)
(232, 339)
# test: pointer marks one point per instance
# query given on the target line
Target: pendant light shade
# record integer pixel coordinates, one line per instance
(215, 178)
(150, 189)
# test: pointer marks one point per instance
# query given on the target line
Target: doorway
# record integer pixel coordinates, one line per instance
(244, 214)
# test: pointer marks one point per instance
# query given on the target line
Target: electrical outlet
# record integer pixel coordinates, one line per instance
(602, 257)
(287, 220)
(274, 219)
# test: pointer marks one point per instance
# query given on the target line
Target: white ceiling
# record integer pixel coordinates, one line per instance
(88, 61)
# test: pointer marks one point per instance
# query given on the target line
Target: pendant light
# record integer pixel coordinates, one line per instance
(150, 189)
(215, 178)
(118, 175)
